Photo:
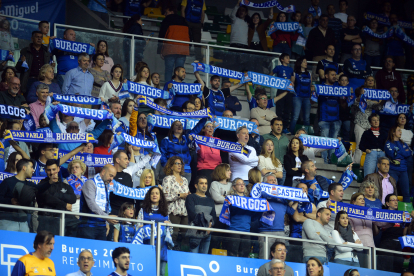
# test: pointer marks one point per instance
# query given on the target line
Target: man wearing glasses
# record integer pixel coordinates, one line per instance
(278, 254)
(356, 69)
(263, 114)
(85, 263)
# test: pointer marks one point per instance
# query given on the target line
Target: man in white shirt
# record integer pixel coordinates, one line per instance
(85, 263)
(343, 6)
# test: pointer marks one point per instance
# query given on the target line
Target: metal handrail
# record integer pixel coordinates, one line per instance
(21, 18)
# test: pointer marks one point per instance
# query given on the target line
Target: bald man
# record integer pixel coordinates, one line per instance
(94, 200)
(12, 97)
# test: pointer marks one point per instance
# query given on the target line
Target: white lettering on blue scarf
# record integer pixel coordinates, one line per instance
(407, 241)
(266, 80)
(77, 99)
(71, 46)
(269, 4)
(13, 112)
(4, 175)
(374, 95)
(49, 137)
(185, 89)
(90, 160)
(145, 90)
(319, 142)
(286, 27)
(332, 91)
(265, 190)
(211, 69)
(220, 144)
(102, 195)
(125, 191)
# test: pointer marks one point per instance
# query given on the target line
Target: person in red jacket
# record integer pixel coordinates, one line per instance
(387, 77)
(282, 41)
(207, 158)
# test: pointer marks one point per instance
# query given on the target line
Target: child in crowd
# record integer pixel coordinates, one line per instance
(44, 29)
(125, 231)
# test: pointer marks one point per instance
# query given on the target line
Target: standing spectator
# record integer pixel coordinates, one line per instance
(155, 79)
(319, 38)
(308, 25)
(302, 81)
(138, 127)
(410, 89)
(372, 142)
(372, 51)
(293, 162)
(345, 111)
(240, 163)
(15, 220)
(57, 196)
(174, 27)
(100, 76)
(388, 119)
(14, 157)
(207, 158)
(38, 107)
(315, 10)
(280, 141)
(263, 114)
(255, 139)
(239, 26)
(134, 26)
(343, 6)
(268, 163)
(176, 190)
(336, 25)
(387, 77)
(46, 76)
(406, 137)
(395, 47)
(109, 92)
(220, 187)
(343, 233)
(124, 231)
(92, 203)
(255, 176)
(8, 73)
(356, 69)
(105, 139)
(12, 97)
(398, 152)
(126, 112)
(36, 55)
(197, 204)
(44, 29)
(350, 36)
(282, 41)
(284, 98)
(102, 48)
(278, 251)
(179, 76)
(297, 50)
(76, 169)
(315, 230)
(328, 109)
(308, 151)
(6, 42)
(336, 193)
(232, 103)
(144, 78)
(79, 80)
(370, 188)
(194, 13)
(257, 32)
(328, 62)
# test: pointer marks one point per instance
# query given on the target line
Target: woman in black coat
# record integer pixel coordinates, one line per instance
(293, 161)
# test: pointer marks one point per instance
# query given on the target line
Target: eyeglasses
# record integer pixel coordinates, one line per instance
(178, 163)
(130, 208)
(86, 259)
(280, 250)
(73, 127)
(278, 268)
(208, 126)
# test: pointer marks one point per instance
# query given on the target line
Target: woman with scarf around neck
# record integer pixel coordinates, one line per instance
(344, 234)
(76, 180)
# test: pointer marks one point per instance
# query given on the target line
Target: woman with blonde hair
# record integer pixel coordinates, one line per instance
(147, 178)
(46, 75)
(371, 194)
(268, 161)
(76, 180)
(221, 185)
(255, 176)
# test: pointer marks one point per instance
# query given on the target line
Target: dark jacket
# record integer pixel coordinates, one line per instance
(174, 27)
(27, 52)
(377, 179)
(370, 141)
(289, 164)
(261, 30)
(55, 197)
(385, 80)
(256, 142)
(317, 42)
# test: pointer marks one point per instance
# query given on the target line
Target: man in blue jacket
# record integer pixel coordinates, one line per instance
(356, 69)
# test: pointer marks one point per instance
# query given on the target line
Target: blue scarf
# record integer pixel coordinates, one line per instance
(232, 124)
(269, 81)
(195, 114)
(145, 90)
(391, 31)
(360, 212)
(90, 160)
(77, 99)
(269, 4)
(346, 179)
(332, 91)
(211, 69)
(394, 109)
(121, 190)
(407, 241)
(265, 190)
(259, 205)
(312, 11)
(13, 112)
(6, 55)
(404, 37)
(185, 89)
(220, 144)
(123, 137)
(46, 137)
(29, 124)
(71, 46)
(44, 129)
(319, 142)
(286, 27)
(4, 175)
(368, 31)
(144, 234)
(76, 183)
(164, 121)
(382, 19)
(102, 194)
(373, 94)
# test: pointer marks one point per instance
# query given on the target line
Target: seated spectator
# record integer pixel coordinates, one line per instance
(315, 230)
(302, 80)
(398, 152)
(100, 76)
(124, 230)
(282, 41)
(102, 48)
(356, 69)
(77, 169)
(314, 267)
(143, 178)
(146, 179)
(343, 234)
(57, 196)
(155, 79)
(105, 139)
(278, 251)
(371, 192)
(12, 96)
(14, 157)
(239, 163)
(293, 162)
(200, 203)
(350, 36)
(126, 112)
(395, 46)
(372, 142)
(208, 158)
(263, 114)
(268, 163)
(372, 51)
(46, 76)
(319, 38)
(176, 190)
(37, 108)
(6, 77)
(388, 77)
(36, 55)
(240, 26)
(79, 80)
(328, 62)
(177, 142)
(109, 92)
(220, 187)
(364, 228)
(308, 151)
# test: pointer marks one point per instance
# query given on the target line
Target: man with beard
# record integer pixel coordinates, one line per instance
(38, 262)
(121, 258)
(11, 97)
(178, 77)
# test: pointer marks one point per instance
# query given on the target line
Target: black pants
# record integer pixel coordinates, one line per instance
(284, 108)
(238, 246)
(52, 224)
(388, 261)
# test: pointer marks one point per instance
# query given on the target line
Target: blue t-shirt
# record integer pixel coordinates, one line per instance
(66, 63)
(373, 204)
(178, 100)
(284, 72)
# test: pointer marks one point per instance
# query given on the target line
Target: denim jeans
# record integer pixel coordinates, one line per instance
(373, 60)
(322, 259)
(282, 48)
(370, 165)
(10, 225)
(92, 233)
(402, 181)
(203, 246)
(281, 181)
(349, 263)
(346, 130)
(171, 62)
(331, 130)
(299, 104)
(410, 170)
(60, 79)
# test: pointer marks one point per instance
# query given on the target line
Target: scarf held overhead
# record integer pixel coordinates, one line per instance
(266, 190)
(259, 205)
(286, 27)
(4, 175)
(185, 89)
(90, 160)
(47, 137)
(121, 190)
(269, 4)
(407, 241)
(221, 72)
(77, 99)
(269, 81)
(373, 95)
(220, 144)
(332, 91)
(145, 90)
(13, 112)
(71, 46)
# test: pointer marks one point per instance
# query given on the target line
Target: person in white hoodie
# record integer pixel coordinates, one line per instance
(343, 234)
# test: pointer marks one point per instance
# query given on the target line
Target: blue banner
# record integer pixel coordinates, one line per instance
(77, 99)
(286, 27)
(5, 55)
(333, 91)
(66, 251)
(185, 89)
(144, 90)
(48, 137)
(269, 4)
(211, 69)
(269, 81)
(407, 241)
(319, 142)
(71, 46)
